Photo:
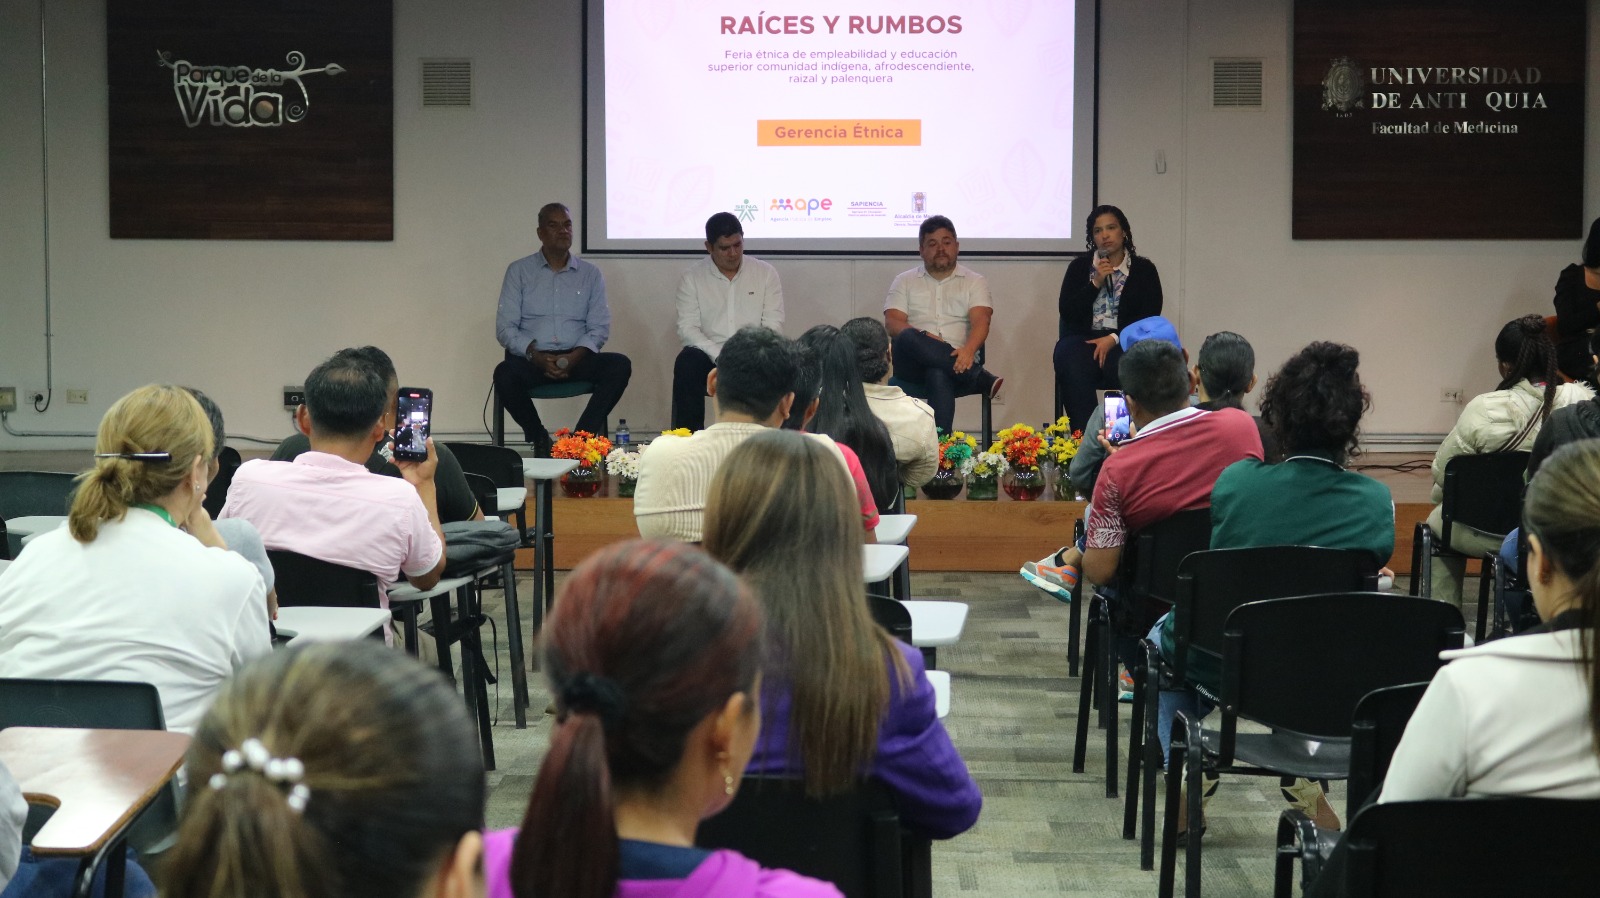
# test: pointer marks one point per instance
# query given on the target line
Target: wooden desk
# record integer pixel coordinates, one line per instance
(97, 780)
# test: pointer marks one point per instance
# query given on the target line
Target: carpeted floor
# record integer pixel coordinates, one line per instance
(1044, 829)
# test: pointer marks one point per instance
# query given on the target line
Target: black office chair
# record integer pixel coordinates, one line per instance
(1210, 585)
(103, 705)
(920, 390)
(1483, 492)
(1298, 667)
(852, 840)
(303, 580)
(217, 492)
(1147, 579)
(28, 493)
(892, 616)
(1380, 720)
(503, 467)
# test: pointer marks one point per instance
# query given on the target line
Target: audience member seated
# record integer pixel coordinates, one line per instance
(238, 534)
(843, 415)
(842, 699)
(552, 320)
(807, 398)
(1057, 572)
(456, 502)
(653, 654)
(1224, 373)
(718, 295)
(1578, 308)
(1103, 292)
(332, 771)
(1508, 419)
(326, 504)
(1313, 406)
(752, 389)
(139, 585)
(909, 419)
(938, 315)
(1517, 716)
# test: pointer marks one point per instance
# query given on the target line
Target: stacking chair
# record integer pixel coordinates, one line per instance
(1508, 591)
(562, 390)
(32, 493)
(920, 390)
(1146, 584)
(1210, 585)
(103, 705)
(503, 467)
(1483, 492)
(1380, 721)
(228, 462)
(1298, 667)
(852, 840)
(303, 580)
(1543, 845)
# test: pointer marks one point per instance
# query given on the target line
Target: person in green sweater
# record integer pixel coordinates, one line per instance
(1313, 407)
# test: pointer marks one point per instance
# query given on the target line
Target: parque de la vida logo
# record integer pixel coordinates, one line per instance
(238, 96)
(1342, 87)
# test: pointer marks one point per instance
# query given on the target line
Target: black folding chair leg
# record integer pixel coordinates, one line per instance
(1194, 774)
(1074, 628)
(1086, 692)
(1485, 595)
(443, 633)
(519, 672)
(1130, 805)
(1151, 761)
(1169, 821)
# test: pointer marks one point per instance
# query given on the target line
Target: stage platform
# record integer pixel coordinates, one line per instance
(953, 535)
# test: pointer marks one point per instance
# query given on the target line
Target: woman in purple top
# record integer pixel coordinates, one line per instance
(843, 699)
(653, 654)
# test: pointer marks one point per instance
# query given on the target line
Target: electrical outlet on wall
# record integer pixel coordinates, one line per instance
(8, 399)
(1449, 394)
(293, 397)
(78, 397)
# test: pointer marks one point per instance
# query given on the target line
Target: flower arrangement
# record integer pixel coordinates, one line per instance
(984, 465)
(677, 432)
(1062, 441)
(622, 463)
(1020, 445)
(955, 451)
(588, 449)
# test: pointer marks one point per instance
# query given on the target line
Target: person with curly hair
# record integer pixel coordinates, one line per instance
(1506, 419)
(1313, 407)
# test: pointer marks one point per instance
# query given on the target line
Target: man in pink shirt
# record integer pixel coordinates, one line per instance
(326, 504)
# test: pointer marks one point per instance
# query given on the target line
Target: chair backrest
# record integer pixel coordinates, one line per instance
(1212, 583)
(892, 616)
(484, 492)
(303, 580)
(93, 704)
(1302, 664)
(1484, 492)
(217, 493)
(1380, 721)
(25, 493)
(851, 840)
(1542, 846)
(501, 464)
(1148, 572)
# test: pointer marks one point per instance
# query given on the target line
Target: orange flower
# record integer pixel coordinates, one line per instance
(584, 446)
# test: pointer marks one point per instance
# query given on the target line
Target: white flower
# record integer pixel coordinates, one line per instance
(993, 460)
(622, 463)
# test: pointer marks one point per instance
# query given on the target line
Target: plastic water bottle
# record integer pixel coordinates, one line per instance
(623, 436)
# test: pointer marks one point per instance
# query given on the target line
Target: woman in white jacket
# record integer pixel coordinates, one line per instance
(1506, 419)
(1516, 716)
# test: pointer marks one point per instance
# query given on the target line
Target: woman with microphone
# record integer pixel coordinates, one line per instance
(1103, 292)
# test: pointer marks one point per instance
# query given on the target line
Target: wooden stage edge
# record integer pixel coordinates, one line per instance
(954, 535)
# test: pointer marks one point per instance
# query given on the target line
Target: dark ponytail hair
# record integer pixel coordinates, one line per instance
(1562, 509)
(1316, 400)
(392, 774)
(1227, 363)
(845, 416)
(646, 640)
(1525, 345)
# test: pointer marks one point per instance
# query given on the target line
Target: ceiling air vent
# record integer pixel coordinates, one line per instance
(447, 82)
(1236, 83)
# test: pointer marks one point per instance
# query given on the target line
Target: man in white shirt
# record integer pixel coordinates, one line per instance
(938, 317)
(716, 296)
(909, 419)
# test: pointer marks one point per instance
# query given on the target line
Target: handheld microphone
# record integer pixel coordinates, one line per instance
(1102, 253)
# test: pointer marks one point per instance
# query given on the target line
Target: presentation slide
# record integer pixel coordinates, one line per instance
(836, 127)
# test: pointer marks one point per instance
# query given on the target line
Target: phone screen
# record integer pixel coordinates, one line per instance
(412, 423)
(1118, 424)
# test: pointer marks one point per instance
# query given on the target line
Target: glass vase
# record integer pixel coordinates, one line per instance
(1024, 484)
(946, 484)
(983, 489)
(626, 486)
(582, 482)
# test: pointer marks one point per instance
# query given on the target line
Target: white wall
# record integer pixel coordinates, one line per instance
(241, 319)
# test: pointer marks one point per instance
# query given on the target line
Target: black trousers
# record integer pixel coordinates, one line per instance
(689, 374)
(927, 360)
(1078, 376)
(608, 371)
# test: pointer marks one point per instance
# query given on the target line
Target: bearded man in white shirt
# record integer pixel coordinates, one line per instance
(718, 295)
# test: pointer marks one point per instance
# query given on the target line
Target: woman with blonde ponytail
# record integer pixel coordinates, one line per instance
(654, 656)
(138, 586)
(1521, 716)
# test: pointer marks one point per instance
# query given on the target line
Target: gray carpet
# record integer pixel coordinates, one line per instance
(1044, 829)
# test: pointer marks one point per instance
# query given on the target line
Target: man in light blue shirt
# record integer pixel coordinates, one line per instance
(553, 321)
